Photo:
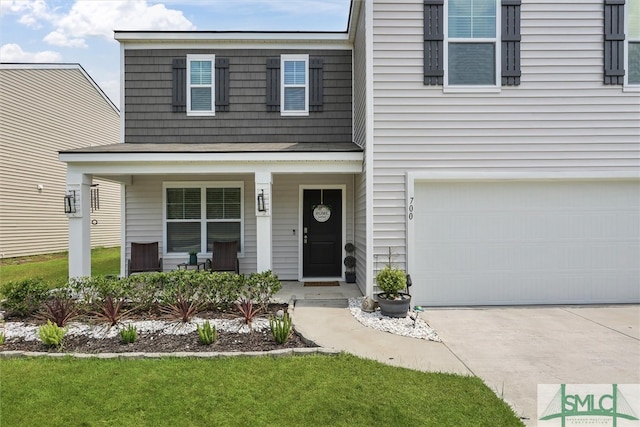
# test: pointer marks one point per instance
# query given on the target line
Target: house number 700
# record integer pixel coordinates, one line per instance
(410, 208)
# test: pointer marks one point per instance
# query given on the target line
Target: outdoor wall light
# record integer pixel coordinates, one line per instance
(70, 202)
(261, 207)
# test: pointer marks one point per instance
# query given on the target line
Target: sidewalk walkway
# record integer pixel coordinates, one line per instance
(337, 329)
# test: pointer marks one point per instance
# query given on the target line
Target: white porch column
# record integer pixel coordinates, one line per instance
(262, 200)
(79, 189)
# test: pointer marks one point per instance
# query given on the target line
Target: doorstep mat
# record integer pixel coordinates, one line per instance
(321, 284)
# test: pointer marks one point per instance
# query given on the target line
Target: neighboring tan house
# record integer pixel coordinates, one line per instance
(492, 149)
(46, 108)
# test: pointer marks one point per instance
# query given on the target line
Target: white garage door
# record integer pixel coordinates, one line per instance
(526, 242)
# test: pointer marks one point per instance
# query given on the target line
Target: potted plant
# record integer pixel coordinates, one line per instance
(392, 301)
(193, 257)
(350, 263)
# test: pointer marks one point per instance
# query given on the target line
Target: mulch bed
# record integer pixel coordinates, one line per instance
(161, 343)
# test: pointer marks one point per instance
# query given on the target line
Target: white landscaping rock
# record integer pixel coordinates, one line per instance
(30, 332)
(400, 326)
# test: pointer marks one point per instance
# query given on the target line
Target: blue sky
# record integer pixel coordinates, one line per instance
(81, 31)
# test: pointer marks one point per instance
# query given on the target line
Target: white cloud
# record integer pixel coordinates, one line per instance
(14, 53)
(31, 11)
(57, 38)
(101, 18)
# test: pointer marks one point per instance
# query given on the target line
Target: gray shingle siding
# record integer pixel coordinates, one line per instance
(148, 101)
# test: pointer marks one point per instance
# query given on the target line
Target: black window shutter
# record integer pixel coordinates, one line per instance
(273, 84)
(433, 41)
(179, 85)
(222, 84)
(315, 84)
(510, 42)
(613, 42)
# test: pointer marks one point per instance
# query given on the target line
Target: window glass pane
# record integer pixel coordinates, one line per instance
(200, 72)
(634, 19)
(201, 99)
(294, 72)
(183, 203)
(294, 99)
(223, 231)
(472, 64)
(183, 236)
(472, 18)
(223, 203)
(634, 63)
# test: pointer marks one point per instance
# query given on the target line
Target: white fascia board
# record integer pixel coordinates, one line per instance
(522, 175)
(194, 168)
(244, 157)
(264, 44)
(204, 36)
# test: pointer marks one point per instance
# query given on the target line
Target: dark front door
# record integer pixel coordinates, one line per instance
(322, 233)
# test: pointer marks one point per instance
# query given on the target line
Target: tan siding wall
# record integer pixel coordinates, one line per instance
(561, 117)
(144, 215)
(43, 111)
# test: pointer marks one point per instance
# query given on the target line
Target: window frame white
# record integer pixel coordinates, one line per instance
(200, 57)
(634, 87)
(203, 186)
(294, 57)
(497, 42)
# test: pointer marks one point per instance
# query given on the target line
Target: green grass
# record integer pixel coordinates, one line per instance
(54, 268)
(239, 391)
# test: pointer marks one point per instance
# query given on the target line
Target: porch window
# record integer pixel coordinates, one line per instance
(196, 215)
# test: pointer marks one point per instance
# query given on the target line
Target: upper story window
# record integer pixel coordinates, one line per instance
(633, 42)
(200, 85)
(472, 43)
(295, 85)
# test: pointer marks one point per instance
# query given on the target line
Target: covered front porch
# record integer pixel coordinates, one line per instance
(290, 206)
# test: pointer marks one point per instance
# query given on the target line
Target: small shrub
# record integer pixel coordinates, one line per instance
(60, 308)
(248, 311)
(2, 338)
(24, 297)
(391, 281)
(129, 335)
(206, 334)
(111, 310)
(221, 289)
(146, 289)
(181, 298)
(51, 334)
(280, 328)
(260, 287)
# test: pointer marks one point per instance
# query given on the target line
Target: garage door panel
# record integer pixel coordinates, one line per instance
(530, 242)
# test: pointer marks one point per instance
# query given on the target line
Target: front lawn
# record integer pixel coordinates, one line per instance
(240, 391)
(54, 268)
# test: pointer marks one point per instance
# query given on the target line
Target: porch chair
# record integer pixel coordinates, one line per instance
(225, 257)
(144, 257)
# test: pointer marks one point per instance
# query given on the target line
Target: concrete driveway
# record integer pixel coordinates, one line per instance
(515, 349)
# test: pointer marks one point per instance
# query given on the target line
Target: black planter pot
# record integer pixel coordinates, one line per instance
(193, 259)
(394, 307)
(350, 277)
